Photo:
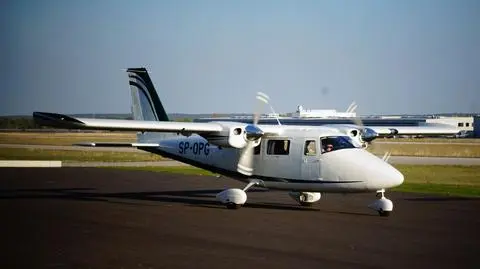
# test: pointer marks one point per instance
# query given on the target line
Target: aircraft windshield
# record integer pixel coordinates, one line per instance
(332, 143)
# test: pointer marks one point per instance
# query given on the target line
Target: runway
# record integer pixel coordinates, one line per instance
(108, 218)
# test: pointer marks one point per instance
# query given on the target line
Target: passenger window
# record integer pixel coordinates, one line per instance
(278, 147)
(310, 148)
(333, 143)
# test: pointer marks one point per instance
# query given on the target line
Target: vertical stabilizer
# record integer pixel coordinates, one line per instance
(145, 102)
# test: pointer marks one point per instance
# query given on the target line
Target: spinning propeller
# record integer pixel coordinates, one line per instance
(253, 134)
(366, 134)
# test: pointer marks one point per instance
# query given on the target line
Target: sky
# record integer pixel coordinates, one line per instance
(212, 56)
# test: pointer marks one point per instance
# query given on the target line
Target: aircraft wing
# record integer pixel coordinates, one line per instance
(415, 130)
(64, 121)
(117, 145)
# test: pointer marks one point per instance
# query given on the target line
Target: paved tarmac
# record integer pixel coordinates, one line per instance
(108, 218)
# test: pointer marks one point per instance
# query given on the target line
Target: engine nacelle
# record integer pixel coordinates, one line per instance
(231, 137)
(362, 136)
(237, 136)
(305, 198)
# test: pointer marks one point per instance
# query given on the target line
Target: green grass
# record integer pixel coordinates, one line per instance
(73, 155)
(454, 180)
(430, 140)
(185, 170)
(64, 139)
(443, 189)
(461, 148)
(430, 150)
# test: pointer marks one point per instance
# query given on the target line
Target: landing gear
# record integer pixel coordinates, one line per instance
(235, 198)
(305, 198)
(382, 205)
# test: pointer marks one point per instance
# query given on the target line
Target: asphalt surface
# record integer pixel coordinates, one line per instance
(108, 218)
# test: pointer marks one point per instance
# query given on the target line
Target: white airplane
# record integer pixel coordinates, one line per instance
(304, 160)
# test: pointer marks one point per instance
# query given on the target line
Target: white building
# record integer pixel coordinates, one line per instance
(323, 113)
(462, 123)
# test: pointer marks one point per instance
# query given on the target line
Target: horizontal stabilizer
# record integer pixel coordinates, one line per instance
(117, 145)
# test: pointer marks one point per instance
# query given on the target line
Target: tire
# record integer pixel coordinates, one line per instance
(384, 213)
(233, 206)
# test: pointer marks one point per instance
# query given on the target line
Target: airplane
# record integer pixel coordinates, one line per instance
(306, 161)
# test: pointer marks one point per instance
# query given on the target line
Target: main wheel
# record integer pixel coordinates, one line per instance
(384, 213)
(233, 206)
(306, 204)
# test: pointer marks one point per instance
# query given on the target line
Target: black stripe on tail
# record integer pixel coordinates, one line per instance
(139, 78)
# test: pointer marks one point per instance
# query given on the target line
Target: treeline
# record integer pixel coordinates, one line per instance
(18, 123)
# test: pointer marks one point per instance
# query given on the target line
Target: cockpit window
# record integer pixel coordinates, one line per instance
(332, 143)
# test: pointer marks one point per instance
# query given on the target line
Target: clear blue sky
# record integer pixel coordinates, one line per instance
(409, 56)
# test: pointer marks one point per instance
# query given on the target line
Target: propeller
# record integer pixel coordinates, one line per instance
(366, 134)
(386, 156)
(252, 134)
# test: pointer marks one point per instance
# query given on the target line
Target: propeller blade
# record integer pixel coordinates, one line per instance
(386, 156)
(263, 98)
(253, 133)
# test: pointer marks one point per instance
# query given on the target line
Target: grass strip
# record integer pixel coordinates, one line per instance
(185, 170)
(78, 156)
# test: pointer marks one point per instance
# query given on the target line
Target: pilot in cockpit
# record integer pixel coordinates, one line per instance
(327, 145)
(329, 148)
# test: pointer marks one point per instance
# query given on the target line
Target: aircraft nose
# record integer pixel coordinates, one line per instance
(392, 176)
(358, 164)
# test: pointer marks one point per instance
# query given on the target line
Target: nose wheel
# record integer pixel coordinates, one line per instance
(383, 205)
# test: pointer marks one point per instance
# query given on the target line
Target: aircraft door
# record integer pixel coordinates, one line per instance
(310, 161)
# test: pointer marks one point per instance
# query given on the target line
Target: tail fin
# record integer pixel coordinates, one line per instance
(145, 102)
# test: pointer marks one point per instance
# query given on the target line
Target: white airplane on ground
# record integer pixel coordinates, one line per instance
(304, 160)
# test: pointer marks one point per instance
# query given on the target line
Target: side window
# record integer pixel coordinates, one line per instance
(256, 150)
(278, 147)
(310, 148)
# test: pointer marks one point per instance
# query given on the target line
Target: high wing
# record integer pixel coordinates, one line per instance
(414, 130)
(117, 145)
(150, 117)
(68, 122)
(228, 134)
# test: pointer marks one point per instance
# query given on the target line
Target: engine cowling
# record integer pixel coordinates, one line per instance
(362, 136)
(237, 136)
